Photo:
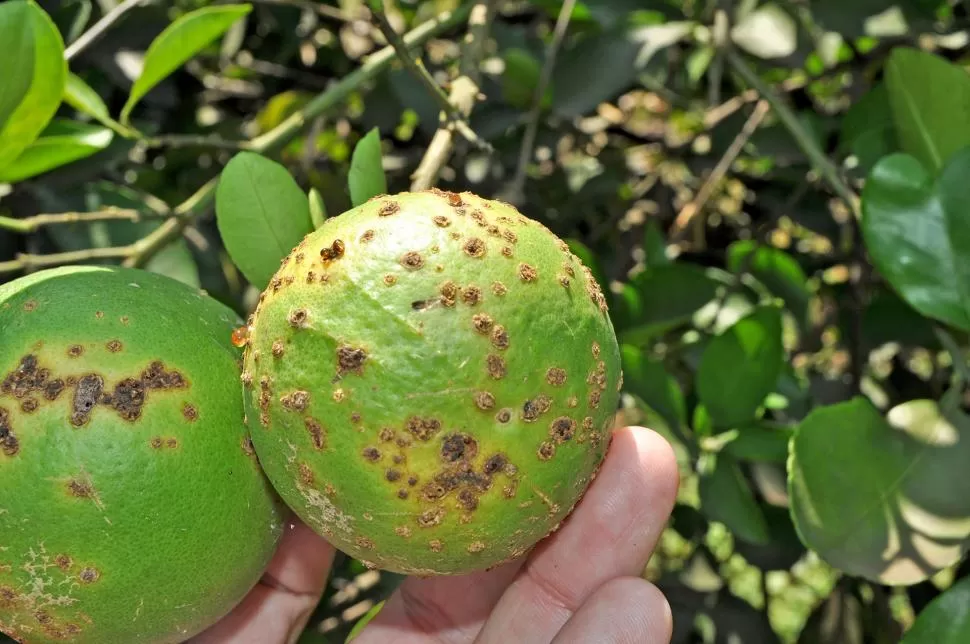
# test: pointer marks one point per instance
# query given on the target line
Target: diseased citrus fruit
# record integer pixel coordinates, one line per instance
(132, 507)
(431, 380)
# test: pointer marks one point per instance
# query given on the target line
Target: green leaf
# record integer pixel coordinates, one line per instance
(17, 37)
(777, 270)
(917, 232)
(726, 497)
(318, 208)
(669, 296)
(61, 143)
(84, 99)
(520, 77)
(367, 178)
(760, 443)
(887, 499)
(261, 213)
(945, 620)
(740, 367)
(41, 101)
(654, 245)
(178, 43)
(867, 130)
(930, 99)
(363, 621)
(650, 381)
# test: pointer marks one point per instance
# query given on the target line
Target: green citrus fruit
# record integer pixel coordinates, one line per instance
(431, 381)
(133, 507)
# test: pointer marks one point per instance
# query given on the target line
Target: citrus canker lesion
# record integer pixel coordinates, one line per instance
(465, 409)
(135, 509)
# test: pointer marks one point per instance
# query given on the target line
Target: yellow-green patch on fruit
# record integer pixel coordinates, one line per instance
(431, 380)
(133, 507)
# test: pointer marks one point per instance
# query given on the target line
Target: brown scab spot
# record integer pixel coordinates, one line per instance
(441, 220)
(279, 348)
(588, 423)
(332, 253)
(546, 450)
(338, 395)
(474, 247)
(449, 293)
(316, 432)
(156, 442)
(508, 252)
(527, 273)
(494, 464)
(468, 500)
(75, 351)
(306, 474)
(398, 459)
(246, 378)
(454, 200)
(171, 443)
(298, 318)
(355, 417)
(128, 398)
(99, 315)
(30, 305)
(114, 346)
(457, 447)
(484, 400)
(8, 596)
(156, 377)
(436, 545)
(500, 337)
(482, 323)
(366, 236)
(568, 269)
(29, 405)
(510, 236)
(504, 415)
(89, 575)
(64, 562)
(596, 349)
(495, 366)
(494, 230)
(372, 454)
(562, 429)
(413, 480)
(594, 399)
(299, 258)
(80, 489)
(430, 518)
(364, 543)
(386, 435)
(350, 359)
(402, 494)
(471, 295)
(296, 401)
(392, 475)
(190, 412)
(388, 208)
(402, 530)
(564, 281)
(412, 260)
(499, 288)
(247, 446)
(572, 402)
(543, 402)
(475, 547)
(53, 389)
(390, 279)
(530, 411)
(87, 393)
(556, 376)
(423, 428)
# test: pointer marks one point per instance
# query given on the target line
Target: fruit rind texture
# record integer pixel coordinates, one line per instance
(431, 380)
(133, 506)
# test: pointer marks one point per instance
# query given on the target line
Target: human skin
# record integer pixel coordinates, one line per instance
(579, 585)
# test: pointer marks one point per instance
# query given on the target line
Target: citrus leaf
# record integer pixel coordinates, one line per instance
(84, 99)
(867, 130)
(929, 98)
(945, 620)
(740, 367)
(41, 101)
(650, 381)
(61, 143)
(883, 498)
(16, 73)
(366, 177)
(178, 43)
(917, 233)
(760, 443)
(318, 208)
(669, 296)
(726, 497)
(261, 213)
(777, 270)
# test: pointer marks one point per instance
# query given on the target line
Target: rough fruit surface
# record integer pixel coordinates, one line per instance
(431, 380)
(132, 507)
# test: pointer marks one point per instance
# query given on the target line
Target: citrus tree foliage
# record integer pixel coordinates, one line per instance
(774, 195)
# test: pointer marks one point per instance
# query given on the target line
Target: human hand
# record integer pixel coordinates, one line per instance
(580, 584)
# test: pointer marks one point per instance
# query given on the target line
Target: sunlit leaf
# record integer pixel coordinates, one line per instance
(366, 177)
(61, 143)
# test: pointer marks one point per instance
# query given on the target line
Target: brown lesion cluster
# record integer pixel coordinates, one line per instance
(596, 380)
(463, 474)
(9, 444)
(30, 382)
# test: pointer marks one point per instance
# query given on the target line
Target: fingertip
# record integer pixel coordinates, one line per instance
(656, 456)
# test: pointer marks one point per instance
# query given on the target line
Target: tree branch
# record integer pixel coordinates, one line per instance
(99, 28)
(804, 140)
(194, 140)
(307, 5)
(517, 186)
(464, 92)
(26, 262)
(31, 224)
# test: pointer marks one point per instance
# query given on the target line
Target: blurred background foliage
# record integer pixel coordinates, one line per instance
(773, 193)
